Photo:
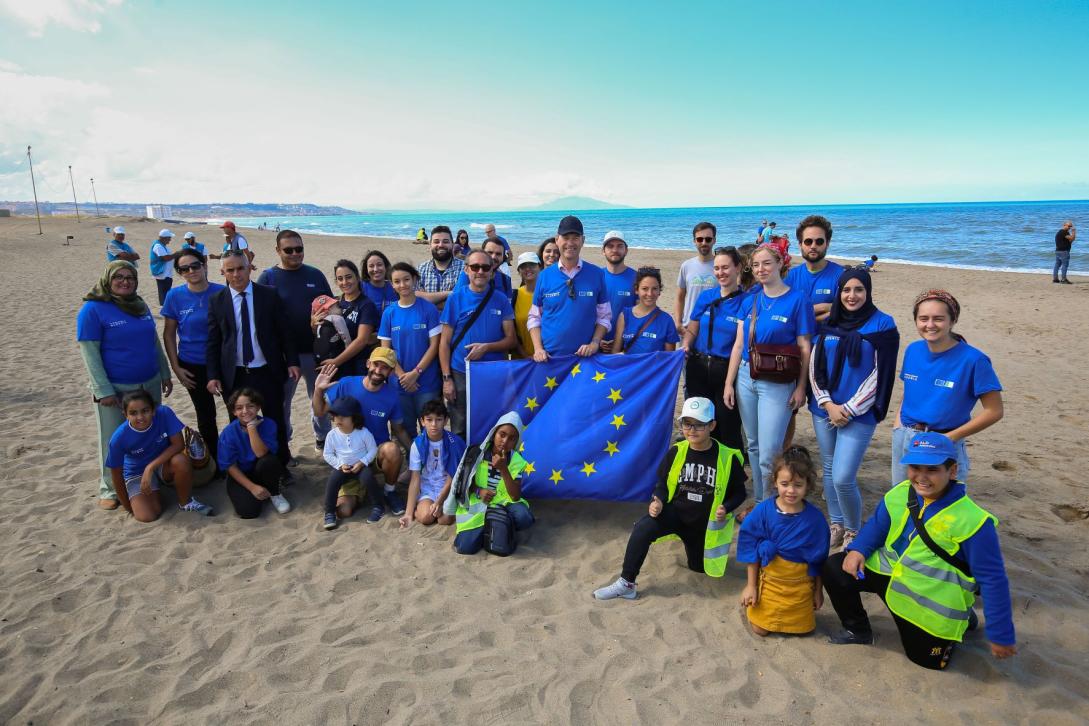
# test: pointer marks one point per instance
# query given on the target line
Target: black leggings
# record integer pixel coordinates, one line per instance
(706, 376)
(844, 590)
(650, 528)
(204, 403)
(338, 478)
(268, 472)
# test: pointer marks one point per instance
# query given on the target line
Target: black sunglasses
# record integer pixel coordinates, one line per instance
(476, 267)
(570, 288)
(818, 242)
(705, 239)
(292, 250)
(729, 250)
(191, 267)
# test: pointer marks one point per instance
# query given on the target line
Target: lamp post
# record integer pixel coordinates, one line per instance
(95, 195)
(73, 183)
(33, 186)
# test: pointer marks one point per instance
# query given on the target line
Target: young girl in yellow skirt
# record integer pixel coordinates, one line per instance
(784, 540)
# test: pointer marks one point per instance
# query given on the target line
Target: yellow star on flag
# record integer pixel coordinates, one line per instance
(529, 469)
(611, 448)
(550, 382)
(522, 446)
(531, 403)
(588, 468)
(577, 369)
(599, 376)
(619, 421)
(556, 477)
(614, 395)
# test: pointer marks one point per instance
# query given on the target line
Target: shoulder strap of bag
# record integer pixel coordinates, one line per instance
(711, 322)
(643, 327)
(473, 318)
(924, 535)
(752, 326)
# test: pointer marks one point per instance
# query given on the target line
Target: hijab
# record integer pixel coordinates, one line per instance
(132, 304)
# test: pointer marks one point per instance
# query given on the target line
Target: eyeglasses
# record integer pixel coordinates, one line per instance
(705, 239)
(192, 267)
(123, 278)
(479, 268)
(729, 250)
(292, 250)
(818, 242)
(694, 425)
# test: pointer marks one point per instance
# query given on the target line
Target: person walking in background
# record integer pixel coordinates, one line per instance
(619, 280)
(118, 249)
(439, 275)
(697, 274)
(159, 264)
(1064, 238)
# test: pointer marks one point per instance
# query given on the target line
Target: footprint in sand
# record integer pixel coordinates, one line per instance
(1069, 512)
(1002, 466)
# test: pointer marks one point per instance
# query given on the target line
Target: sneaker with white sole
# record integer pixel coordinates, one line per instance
(620, 588)
(280, 502)
(200, 508)
(330, 520)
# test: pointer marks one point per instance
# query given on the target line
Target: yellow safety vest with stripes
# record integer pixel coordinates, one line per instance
(716, 540)
(471, 515)
(923, 588)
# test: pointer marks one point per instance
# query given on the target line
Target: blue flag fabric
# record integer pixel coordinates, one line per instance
(596, 428)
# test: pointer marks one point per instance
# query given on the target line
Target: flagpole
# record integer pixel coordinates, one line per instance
(33, 186)
(95, 195)
(73, 182)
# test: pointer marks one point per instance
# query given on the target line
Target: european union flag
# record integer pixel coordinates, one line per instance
(596, 428)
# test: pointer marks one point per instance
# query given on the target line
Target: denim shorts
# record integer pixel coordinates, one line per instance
(132, 484)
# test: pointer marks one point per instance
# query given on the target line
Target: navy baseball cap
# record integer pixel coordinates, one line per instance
(569, 224)
(929, 448)
(345, 406)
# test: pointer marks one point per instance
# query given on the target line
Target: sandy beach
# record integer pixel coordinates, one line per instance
(189, 620)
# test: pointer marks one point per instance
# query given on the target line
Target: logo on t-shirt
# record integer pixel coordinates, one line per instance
(943, 383)
(379, 414)
(780, 318)
(823, 291)
(910, 377)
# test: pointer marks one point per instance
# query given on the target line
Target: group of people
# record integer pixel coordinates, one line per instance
(385, 366)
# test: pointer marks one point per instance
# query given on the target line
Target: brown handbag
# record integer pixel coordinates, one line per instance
(773, 362)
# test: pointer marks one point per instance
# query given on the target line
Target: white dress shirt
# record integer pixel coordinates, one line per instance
(258, 354)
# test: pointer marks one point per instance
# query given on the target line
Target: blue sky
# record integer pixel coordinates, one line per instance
(382, 105)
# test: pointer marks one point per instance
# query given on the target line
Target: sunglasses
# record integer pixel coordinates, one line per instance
(725, 250)
(292, 250)
(475, 267)
(818, 242)
(192, 267)
(570, 288)
(705, 239)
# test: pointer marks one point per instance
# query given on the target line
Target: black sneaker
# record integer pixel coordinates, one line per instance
(1065, 282)
(846, 637)
(395, 503)
(319, 446)
(1056, 280)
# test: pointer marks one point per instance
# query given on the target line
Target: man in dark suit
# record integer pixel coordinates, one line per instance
(249, 345)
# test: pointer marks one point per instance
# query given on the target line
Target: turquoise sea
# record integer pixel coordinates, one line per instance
(1014, 236)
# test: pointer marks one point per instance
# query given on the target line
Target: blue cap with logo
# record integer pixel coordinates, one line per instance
(929, 448)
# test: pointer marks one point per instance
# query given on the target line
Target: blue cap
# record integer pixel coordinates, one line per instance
(345, 406)
(929, 448)
(569, 224)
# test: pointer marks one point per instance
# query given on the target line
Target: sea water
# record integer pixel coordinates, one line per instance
(1012, 236)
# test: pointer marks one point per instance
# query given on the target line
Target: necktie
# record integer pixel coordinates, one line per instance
(247, 340)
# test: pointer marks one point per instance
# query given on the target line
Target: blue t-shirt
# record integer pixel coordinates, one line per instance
(819, 287)
(569, 307)
(488, 328)
(851, 377)
(727, 316)
(113, 247)
(199, 247)
(297, 290)
(780, 320)
(235, 447)
(380, 408)
(660, 332)
(940, 389)
(382, 297)
(190, 310)
(620, 289)
(409, 331)
(133, 450)
(127, 343)
(501, 281)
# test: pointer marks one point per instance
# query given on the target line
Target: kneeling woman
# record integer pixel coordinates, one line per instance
(145, 452)
(700, 483)
(491, 499)
(926, 551)
(247, 452)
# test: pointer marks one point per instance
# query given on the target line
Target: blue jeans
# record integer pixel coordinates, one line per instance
(842, 450)
(1062, 261)
(901, 441)
(411, 403)
(765, 413)
(470, 541)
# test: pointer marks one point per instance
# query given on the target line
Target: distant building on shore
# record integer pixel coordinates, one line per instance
(158, 211)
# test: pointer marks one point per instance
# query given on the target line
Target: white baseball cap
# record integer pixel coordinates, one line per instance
(526, 258)
(190, 235)
(165, 233)
(700, 409)
(614, 234)
(119, 230)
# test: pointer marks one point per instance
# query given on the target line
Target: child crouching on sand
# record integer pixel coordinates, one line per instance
(784, 540)
(433, 461)
(349, 449)
(145, 452)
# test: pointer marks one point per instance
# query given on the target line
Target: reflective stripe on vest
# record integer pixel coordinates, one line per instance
(717, 537)
(471, 517)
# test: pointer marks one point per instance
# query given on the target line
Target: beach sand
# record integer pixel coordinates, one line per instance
(189, 620)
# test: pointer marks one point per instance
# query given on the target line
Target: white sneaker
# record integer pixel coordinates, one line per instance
(620, 588)
(280, 502)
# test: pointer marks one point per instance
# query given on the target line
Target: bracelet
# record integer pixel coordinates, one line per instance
(418, 371)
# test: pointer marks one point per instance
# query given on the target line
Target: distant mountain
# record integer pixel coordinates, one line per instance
(574, 204)
(182, 211)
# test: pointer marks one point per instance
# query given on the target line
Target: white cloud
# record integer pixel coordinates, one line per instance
(37, 15)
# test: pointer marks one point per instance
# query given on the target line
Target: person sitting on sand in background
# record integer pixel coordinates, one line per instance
(491, 508)
(121, 350)
(247, 452)
(433, 461)
(700, 483)
(871, 264)
(645, 327)
(784, 541)
(943, 379)
(147, 451)
(349, 449)
(925, 552)
(421, 236)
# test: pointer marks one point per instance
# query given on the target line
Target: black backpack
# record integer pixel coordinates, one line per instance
(499, 536)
